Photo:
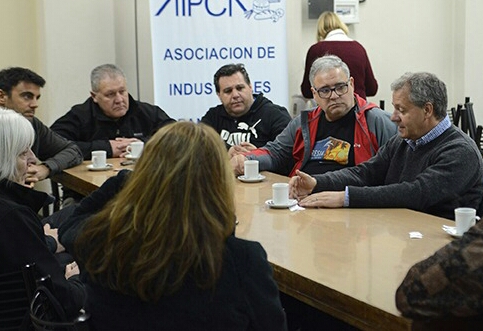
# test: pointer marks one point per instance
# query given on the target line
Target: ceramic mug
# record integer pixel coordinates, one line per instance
(280, 194)
(251, 169)
(135, 148)
(99, 159)
(465, 218)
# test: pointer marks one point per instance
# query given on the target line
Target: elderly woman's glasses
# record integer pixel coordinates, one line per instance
(339, 89)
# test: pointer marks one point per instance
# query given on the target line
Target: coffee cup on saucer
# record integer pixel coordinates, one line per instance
(99, 159)
(135, 149)
(280, 194)
(465, 218)
(251, 169)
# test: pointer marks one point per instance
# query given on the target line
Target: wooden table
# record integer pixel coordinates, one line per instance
(345, 262)
(83, 180)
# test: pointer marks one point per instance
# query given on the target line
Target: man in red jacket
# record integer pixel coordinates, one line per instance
(343, 131)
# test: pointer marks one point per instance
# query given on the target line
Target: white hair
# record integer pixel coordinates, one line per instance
(16, 136)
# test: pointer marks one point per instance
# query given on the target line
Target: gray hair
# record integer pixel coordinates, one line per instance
(327, 63)
(424, 87)
(16, 136)
(100, 72)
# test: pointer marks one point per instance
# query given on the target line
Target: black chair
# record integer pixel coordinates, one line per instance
(451, 113)
(382, 104)
(21, 291)
(16, 290)
(57, 202)
(478, 138)
(46, 313)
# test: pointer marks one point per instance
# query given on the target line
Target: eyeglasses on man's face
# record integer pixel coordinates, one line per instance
(339, 89)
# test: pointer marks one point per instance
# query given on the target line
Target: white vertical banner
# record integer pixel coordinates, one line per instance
(191, 39)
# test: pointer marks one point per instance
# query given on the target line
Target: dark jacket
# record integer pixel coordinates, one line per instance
(56, 152)
(22, 241)
(90, 129)
(261, 124)
(70, 228)
(245, 297)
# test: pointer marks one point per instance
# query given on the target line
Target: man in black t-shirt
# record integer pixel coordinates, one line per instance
(244, 120)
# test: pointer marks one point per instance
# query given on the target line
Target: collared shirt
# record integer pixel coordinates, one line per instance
(434, 133)
(337, 35)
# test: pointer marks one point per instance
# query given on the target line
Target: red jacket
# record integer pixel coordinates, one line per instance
(365, 142)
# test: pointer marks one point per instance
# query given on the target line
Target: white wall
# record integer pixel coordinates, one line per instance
(74, 37)
(472, 70)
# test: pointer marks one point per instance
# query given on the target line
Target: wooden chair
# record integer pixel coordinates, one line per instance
(16, 290)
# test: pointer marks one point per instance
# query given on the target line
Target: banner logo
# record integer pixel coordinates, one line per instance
(260, 8)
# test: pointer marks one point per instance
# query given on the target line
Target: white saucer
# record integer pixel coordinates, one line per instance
(291, 202)
(130, 157)
(251, 180)
(451, 230)
(107, 167)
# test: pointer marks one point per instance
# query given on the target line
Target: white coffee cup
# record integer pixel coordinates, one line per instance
(251, 169)
(465, 218)
(98, 159)
(135, 148)
(280, 194)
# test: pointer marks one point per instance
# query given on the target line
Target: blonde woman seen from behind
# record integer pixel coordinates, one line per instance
(162, 255)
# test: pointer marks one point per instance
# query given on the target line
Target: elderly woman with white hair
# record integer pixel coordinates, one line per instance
(22, 239)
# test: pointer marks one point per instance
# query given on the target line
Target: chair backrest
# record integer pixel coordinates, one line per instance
(382, 104)
(16, 290)
(471, 121)
(46, 313)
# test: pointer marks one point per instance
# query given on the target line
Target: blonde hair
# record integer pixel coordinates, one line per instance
(170, 221)
(327, 22)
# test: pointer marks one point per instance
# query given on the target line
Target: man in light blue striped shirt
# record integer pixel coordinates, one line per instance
(430, 166)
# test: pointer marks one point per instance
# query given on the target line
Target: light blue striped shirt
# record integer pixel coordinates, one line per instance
(434, 133)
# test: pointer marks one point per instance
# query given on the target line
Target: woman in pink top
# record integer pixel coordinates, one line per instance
(332, 39)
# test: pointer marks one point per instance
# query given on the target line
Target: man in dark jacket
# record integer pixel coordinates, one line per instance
(110, 119)
(20, 91)
(244, 120)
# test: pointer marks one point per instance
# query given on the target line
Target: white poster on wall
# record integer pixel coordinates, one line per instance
(191, 39)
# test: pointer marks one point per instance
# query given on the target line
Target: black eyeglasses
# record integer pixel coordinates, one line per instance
(339, 89)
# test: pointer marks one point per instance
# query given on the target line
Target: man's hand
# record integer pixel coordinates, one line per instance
(301, 185)
(36, 173)
(244, 147)
(238, 164)
(118, 146)
(324, 199)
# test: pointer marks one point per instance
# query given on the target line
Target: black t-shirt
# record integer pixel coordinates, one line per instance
(334, 148)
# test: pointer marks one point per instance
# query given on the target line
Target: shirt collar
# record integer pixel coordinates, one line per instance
(337, 35)
(434, 133)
